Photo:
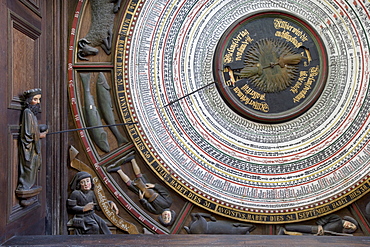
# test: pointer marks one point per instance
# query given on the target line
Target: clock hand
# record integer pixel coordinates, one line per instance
(88, 128)
(176, 100)
(257, 69)
(284, 60)
(290, 59)
(249, 71)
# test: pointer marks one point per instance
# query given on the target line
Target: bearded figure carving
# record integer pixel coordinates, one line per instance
(30, 148)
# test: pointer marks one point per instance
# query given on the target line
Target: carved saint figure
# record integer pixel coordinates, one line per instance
(82, 203)
(153, 197)
(330, 224)
(30, 147)
(200, 225)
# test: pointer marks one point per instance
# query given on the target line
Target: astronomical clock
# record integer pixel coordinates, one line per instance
(254, 112)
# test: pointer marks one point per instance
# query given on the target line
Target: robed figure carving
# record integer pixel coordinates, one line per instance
(82, 203)
(30, 148)
(202, 223)
(331, 224)
(153, 197)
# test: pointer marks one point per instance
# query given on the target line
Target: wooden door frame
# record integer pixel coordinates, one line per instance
(57, 107)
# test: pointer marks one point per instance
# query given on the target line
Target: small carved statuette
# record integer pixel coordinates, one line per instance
(30, 148)
(82, 203)
(153, 197)
(330, 224)
(200, 225)
(101, 28)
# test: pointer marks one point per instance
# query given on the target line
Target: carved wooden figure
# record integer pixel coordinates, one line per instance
(92, 116)
(30, 148)
(153, 197)
(330, 224)
(101, 29)
(106, 106)
(200, 225)
(82, 203)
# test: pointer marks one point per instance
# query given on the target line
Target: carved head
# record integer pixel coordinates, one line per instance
(32, 100)
(167, 217)
(350, 225)
(31, 93)
(85, 49)
(82, 181)
(85, 184)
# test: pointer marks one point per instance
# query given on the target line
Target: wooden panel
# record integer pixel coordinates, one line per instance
(34, 5)
(13, 165)
(23, 58)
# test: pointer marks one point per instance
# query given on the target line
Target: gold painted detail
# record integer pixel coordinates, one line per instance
(238, 45)
(306, 78)
(271, 65)
(250, 97)
(287, 32)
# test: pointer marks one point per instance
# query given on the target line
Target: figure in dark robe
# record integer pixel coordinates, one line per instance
(82, 203)
(30, 148)
(200, 225)
(330, 224)
(153, 197)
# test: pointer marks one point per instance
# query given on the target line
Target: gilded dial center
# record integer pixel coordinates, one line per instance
(270, 67)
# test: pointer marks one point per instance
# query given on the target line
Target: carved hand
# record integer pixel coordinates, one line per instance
(141, 194)
(320, 231)
(43, 134)
(89, 206)
(114, 207)
(250, 71)
(149, 186)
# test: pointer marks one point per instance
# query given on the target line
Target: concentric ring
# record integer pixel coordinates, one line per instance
(224, 162)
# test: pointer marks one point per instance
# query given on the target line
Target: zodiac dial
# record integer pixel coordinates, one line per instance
(270, 67)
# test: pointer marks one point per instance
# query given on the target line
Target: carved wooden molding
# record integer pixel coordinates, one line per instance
(33, 5)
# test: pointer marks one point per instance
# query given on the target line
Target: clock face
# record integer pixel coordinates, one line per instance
(254, 110)
(270, 66)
